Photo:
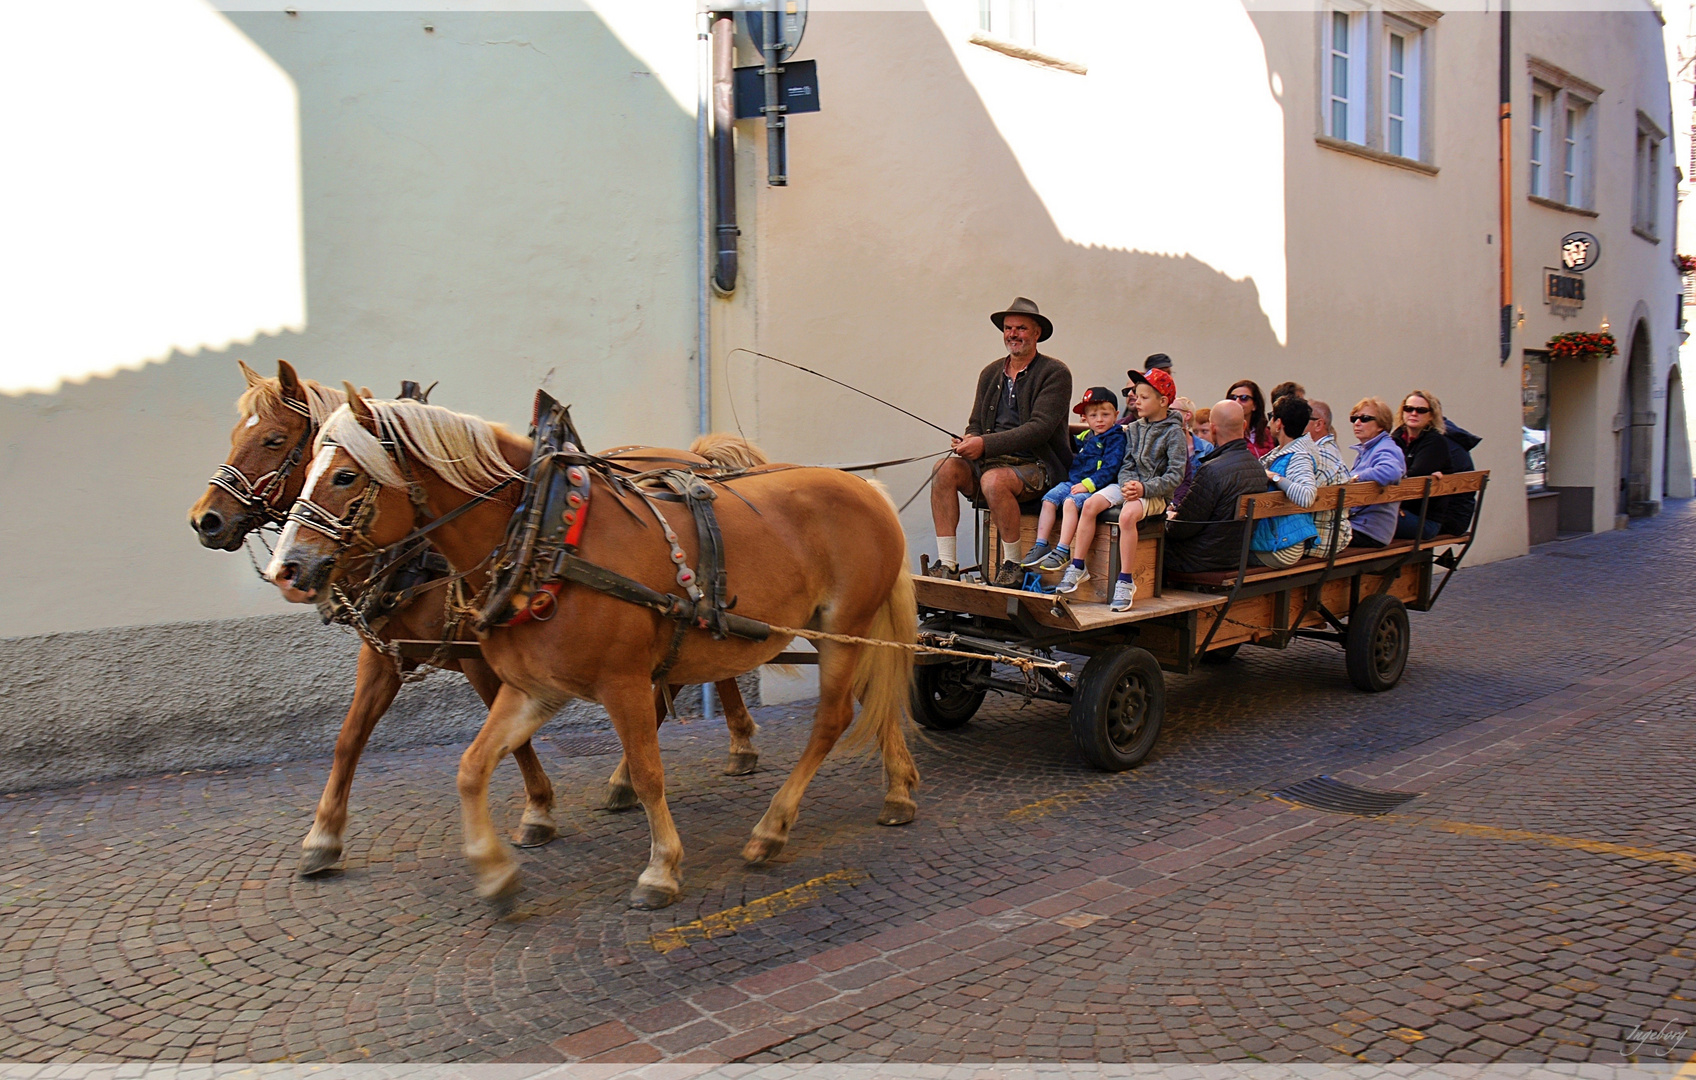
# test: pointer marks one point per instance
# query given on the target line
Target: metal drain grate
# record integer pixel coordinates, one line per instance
(1327, 793)
(587, 746)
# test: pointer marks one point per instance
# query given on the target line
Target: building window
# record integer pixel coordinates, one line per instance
(1345, 76)
(1401, 91)
(1542, 98)
(1646, 188)
(1574, 151)
(1010, 20)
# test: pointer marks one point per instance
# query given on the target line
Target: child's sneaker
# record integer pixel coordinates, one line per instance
(1075, 576)
(1123, 593)
(1054, 560)
(1038, 553)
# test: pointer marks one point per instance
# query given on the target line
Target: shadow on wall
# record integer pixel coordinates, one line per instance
(931, 224)
(496, 203)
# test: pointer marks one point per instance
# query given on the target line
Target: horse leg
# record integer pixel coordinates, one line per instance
(513, 719)
(620, 794)
(374, 690)
(743, 757)
(537, 827)
(627, 705)
(835, 712)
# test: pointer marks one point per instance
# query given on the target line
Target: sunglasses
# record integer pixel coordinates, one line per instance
(1242, 397)
(1363, 419)
(1417, 410)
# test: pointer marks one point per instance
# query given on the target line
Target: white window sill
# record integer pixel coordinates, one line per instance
(1553, 205)
(1370, 154)
(1026, 53)
(1645, 234)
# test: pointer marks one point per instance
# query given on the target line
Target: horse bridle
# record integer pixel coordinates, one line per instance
(259, 496)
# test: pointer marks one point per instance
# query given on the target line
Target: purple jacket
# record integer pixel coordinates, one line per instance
(1379, 459)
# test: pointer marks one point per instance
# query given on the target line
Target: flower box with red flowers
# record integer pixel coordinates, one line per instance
(1579, 345)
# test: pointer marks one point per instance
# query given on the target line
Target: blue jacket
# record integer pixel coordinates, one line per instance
(1278, 533)
(1096, 458)
(1380, 460)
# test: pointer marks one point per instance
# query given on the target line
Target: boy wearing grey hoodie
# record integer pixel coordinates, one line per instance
(1157, 454)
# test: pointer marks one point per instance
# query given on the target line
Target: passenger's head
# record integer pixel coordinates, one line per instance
(1202, 424)
(1155, 393)
(1370, 417)
(1421, 410)
(1246, 393)
(1286, 388)
(1184, 409)
(1289, 418)
(1228, 421)
(1320, 425)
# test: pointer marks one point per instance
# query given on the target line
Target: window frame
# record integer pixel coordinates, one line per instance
(1356, 107)
(1574, 109)
(1368, 125)
(1413, 87)
(1538, 143)
(1650, 143)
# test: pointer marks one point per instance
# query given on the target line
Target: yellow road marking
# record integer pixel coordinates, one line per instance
(1678, 859)
(734, 919)
(1056, 803)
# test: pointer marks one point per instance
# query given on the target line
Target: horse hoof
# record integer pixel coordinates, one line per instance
(761, 850)
(503, 899)
(533, 835)
(898, 812)
(651, 897)
(741, 763)
(620, 797)
(317, 860)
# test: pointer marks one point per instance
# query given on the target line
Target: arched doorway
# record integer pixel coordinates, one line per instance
(1637, 430)
(1676, 480)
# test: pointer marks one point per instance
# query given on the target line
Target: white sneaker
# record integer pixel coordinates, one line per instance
(1123, 592)
(1075, 576)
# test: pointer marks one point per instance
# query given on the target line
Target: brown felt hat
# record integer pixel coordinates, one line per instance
(1027, 308)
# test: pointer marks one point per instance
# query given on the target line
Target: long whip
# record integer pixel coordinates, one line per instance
(845, 386)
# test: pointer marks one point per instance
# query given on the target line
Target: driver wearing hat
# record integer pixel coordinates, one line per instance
(1016, 443)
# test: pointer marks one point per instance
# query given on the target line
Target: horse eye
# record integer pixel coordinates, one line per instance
(344, 477)
(274, 440)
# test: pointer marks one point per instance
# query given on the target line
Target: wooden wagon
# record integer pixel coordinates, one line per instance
(1357, 598)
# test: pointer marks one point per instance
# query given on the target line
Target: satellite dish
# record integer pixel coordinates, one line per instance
(791, 17)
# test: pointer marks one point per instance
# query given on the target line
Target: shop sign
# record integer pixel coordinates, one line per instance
(1564, 293)
(1579, 252)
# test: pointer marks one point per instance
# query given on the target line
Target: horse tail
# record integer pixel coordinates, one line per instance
(728, 451)
(883, 677)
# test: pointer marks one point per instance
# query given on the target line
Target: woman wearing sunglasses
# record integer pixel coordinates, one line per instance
(1426, 452)
(1247, 393)
(1377, 458)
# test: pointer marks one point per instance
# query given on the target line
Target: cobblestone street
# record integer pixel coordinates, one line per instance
(1535, 902)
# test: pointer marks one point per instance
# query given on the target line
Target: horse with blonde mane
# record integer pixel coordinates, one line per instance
(258, 483)
(803, 547)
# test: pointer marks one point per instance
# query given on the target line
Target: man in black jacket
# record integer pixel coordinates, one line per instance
(1200, 533)
(1016, 443)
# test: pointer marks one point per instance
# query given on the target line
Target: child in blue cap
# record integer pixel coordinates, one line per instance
(1095, 464)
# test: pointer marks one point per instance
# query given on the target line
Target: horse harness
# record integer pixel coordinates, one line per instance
(539, 554)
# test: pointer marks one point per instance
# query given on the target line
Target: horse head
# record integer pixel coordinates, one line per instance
(262, 475)
(353, 501)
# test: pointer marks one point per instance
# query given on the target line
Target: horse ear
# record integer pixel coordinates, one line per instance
(361, 410)
(253, 377)
(290, 381)
(365, 392)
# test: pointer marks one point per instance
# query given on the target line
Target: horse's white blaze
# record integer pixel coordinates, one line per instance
(254, 419)
(291, 531)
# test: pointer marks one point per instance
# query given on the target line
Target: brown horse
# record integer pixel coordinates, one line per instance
(260, 481)
(803, 547)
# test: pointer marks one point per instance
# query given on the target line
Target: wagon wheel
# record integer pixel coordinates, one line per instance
(1377, 643)
(1117, 708)
(943, 695)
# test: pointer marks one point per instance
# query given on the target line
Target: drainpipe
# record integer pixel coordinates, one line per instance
(703, 293)
(724, 152)
(1506, 159)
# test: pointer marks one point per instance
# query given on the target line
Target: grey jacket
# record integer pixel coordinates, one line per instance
(1156, 454)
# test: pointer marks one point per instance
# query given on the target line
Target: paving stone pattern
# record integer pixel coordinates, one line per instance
(1534, 903)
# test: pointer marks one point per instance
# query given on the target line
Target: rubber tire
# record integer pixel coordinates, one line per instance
(940, 703)
(1377, 643)
(1221, 656)
(1117, 708)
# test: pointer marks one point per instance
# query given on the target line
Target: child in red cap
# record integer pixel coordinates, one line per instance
(1156, 454)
